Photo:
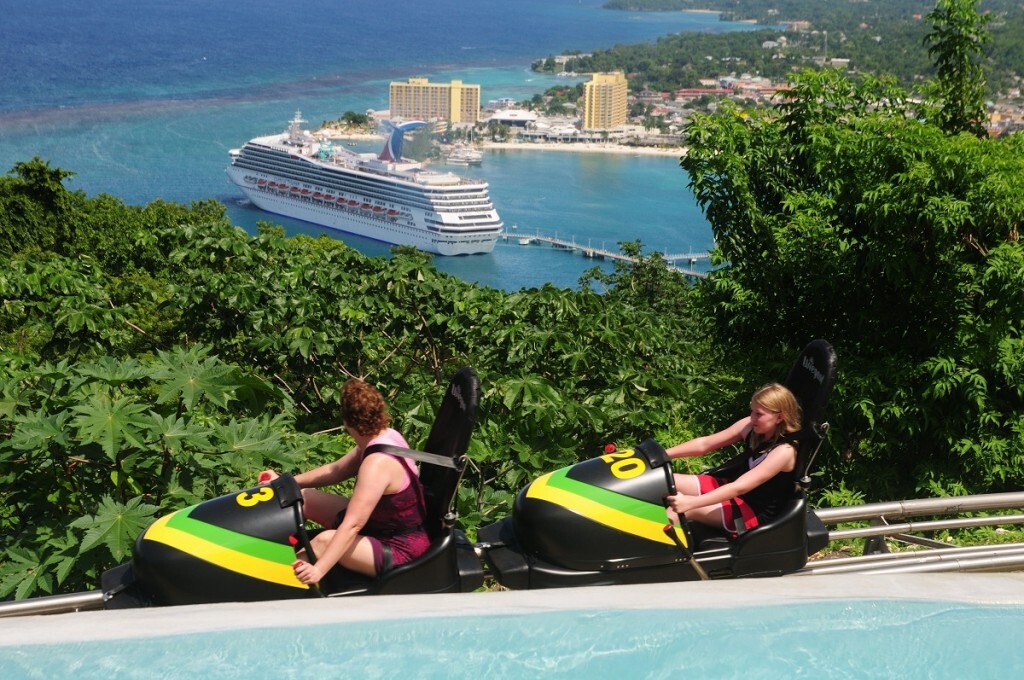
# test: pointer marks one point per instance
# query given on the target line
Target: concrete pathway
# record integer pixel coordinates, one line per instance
(988, 589)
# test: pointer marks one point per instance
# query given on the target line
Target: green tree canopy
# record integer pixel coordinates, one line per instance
(956, 45)
(840, 215)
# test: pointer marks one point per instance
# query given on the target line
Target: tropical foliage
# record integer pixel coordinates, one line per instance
(956, 44)
(842, 215)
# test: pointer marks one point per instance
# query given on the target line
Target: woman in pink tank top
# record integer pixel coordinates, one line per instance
(382, 525)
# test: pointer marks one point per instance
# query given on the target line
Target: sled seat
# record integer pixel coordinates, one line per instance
(783, 544)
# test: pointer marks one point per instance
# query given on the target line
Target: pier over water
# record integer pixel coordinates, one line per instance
(603, 254)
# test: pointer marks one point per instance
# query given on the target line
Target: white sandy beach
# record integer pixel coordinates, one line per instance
(335, 133)
(585, 147)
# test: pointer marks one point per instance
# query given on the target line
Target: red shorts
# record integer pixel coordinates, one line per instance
(709, 484)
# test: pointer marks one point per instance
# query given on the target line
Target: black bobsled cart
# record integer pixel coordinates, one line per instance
(602, 521)
(240, 547)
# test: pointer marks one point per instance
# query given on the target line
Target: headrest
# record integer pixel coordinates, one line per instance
(811, 379)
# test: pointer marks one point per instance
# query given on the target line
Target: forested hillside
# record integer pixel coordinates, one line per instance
(824, 14)
(877, 37)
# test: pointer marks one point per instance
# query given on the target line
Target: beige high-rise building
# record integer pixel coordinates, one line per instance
(420, 99)
(604, 101)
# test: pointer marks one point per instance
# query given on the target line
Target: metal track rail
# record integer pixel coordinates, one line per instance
(54, 604)
(937, 556)
(934, 525)
(950, 505)
(1004, 555)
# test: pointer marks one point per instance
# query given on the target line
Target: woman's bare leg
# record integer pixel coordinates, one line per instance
(359, 558)
(322, 507)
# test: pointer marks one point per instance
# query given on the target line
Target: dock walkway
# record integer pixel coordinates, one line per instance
(603, 254)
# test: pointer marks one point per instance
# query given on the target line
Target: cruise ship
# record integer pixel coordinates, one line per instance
(383, 196)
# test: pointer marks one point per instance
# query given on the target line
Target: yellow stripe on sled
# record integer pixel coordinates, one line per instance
(225, 558)
(543, 489)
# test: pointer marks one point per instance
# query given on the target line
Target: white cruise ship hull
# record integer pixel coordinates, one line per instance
(355, 220)
(396, 202)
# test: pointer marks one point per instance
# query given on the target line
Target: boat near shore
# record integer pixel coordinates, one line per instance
(384, 197)
(461, 154)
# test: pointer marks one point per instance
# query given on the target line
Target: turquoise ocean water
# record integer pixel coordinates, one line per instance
(142, 101)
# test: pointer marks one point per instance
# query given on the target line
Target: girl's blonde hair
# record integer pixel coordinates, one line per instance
(778, 399)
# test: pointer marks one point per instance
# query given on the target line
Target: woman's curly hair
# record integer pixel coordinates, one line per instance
(363, 408)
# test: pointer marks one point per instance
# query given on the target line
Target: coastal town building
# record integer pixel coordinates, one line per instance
(501, 103)
(419, 99)
(604, 101)
(513, 118)
(651, 97)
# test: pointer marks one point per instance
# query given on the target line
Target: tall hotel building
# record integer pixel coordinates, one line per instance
(604, 101)
(419, 99)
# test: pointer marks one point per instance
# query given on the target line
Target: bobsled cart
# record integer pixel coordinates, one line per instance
(602, 521)
(240, 547)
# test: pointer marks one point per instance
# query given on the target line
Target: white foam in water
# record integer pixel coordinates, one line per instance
(906, 626)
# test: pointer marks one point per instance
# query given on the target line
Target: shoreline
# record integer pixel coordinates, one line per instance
(584, 147)
(335, 133)
(719, 12)
(563, 147)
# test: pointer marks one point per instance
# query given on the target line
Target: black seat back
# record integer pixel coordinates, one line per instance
(810, 380)
(449, 436)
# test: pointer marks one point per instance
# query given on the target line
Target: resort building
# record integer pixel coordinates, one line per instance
(604, 101)
(513, 118)
(420, 99)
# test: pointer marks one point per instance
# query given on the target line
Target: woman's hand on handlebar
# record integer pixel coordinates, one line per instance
(266, 476)
(307, 573)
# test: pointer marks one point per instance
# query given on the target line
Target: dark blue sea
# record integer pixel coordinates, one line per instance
(142, 100)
